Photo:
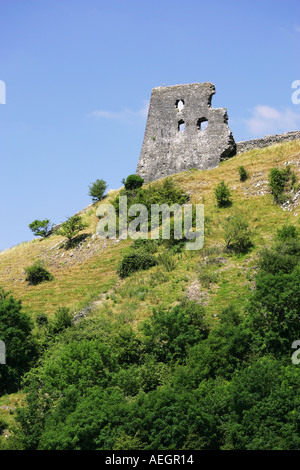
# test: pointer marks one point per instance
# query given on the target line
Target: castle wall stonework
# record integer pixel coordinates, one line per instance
(184, 132)
(266, 141)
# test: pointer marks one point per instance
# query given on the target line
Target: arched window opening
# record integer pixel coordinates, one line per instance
(179, 105)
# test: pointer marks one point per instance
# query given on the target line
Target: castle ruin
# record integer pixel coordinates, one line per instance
(183, 132)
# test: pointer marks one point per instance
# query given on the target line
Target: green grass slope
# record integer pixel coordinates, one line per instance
(86, 275)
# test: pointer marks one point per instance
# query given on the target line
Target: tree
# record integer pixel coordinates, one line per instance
(273, 312)
(243, 173)
(237, 233)
(264, 407)
(282, 257)
(223, 195)
(133, 182)
(71, 227)
(169, 333)
(41, 228)
(15, 332)
(97, 189)
(62, 320)
(278, 180)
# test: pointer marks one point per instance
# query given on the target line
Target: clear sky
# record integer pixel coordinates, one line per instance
(79, 75)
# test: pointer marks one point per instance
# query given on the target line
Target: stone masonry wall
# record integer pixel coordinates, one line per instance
(266, 141)
(176, 138)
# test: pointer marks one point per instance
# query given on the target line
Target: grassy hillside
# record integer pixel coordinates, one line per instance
(86, 275)
(88, 271)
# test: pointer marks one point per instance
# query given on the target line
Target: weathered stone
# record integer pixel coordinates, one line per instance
(266, 141)
(176, 138)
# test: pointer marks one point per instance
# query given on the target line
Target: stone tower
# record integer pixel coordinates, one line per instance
(183, 132)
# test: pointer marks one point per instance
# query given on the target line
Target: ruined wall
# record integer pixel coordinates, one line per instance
(176, 138)
(266, 141)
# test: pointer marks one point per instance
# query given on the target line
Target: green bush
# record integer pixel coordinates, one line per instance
(97, 190)
(136, 261)
(282, 257)
(62, 320)
(243, 173)
(169, 333)
(264, 407)
(174, 243)
(278, 180)
(223, 195)
(133, 182)
(155, 193)
(37, 273)
(3, 425)
(41, 319)
(273, 313)
(207, 277)
(41, 228)
(167, 261)
(71, 227)
(226, 348)
(237, 234)
(151, 246)
(287, 232)
(16, 333)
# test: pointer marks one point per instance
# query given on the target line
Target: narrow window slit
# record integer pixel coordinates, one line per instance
(181, 126)
(202, 124)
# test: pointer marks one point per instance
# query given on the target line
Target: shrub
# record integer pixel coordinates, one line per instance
(41, 228)
(167, 261)
(62, 320)
(71, 227)
(176, 244)
(156, 193)
(274, 311)
(16, 333)
(243, 173)
(151, 246)
(236, 233)
(223, 195)
(277, 182)
(133, 182)
(207, 277)
(37, 273)
(169, 333)
(135, 261)
(287, 232)
(97, 190)
(3, 425)
(41, 319)
(283, 257)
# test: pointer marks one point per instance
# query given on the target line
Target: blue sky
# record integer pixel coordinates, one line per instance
(79, 75)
